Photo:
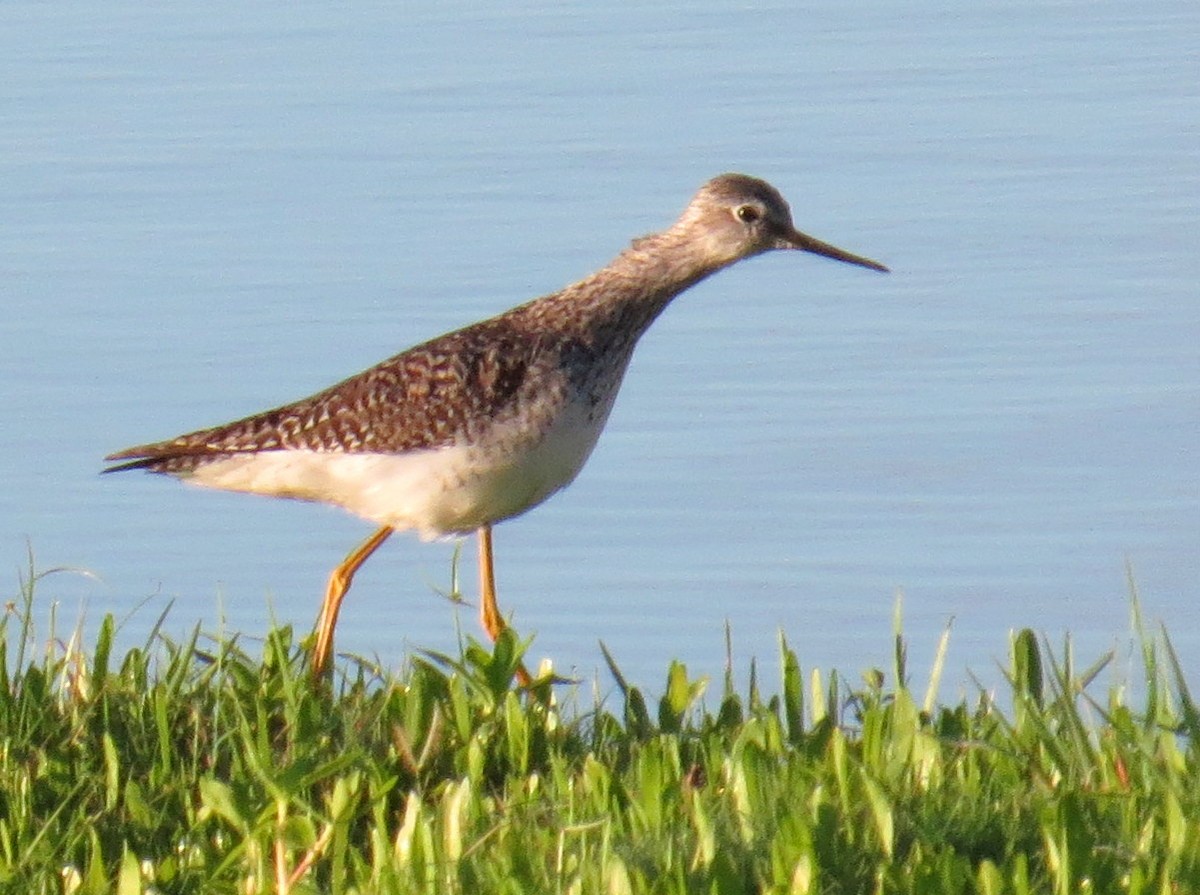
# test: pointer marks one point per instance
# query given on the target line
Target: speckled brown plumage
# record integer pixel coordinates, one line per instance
(424, 398)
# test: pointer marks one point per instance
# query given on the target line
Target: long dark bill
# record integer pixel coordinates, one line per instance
(806, 243)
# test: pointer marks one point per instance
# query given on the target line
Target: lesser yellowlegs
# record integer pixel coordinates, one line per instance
(480, 424)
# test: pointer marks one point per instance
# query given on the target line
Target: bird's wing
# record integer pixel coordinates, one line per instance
(426, 397)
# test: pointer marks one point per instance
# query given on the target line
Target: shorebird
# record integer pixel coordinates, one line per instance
(483, 423)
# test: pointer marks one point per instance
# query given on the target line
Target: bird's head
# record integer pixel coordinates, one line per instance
(735, 216)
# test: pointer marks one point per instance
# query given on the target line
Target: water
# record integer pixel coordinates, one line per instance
(209, 210)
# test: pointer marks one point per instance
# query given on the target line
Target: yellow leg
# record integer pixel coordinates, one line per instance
(339, 583)
(489, 612)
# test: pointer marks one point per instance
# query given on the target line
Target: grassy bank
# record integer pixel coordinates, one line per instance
(208, 766)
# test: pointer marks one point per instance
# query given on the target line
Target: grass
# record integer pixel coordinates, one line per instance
(208, 766)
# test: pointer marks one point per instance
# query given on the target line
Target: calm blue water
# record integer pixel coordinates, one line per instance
(211, 209)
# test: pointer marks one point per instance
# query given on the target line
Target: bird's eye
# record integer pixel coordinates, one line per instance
(747, 214)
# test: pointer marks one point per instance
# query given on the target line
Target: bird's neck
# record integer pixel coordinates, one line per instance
(622, 299)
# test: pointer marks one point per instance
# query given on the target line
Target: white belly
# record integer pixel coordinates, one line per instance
(440, 491)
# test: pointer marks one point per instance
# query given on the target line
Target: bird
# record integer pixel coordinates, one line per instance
(477, 426)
